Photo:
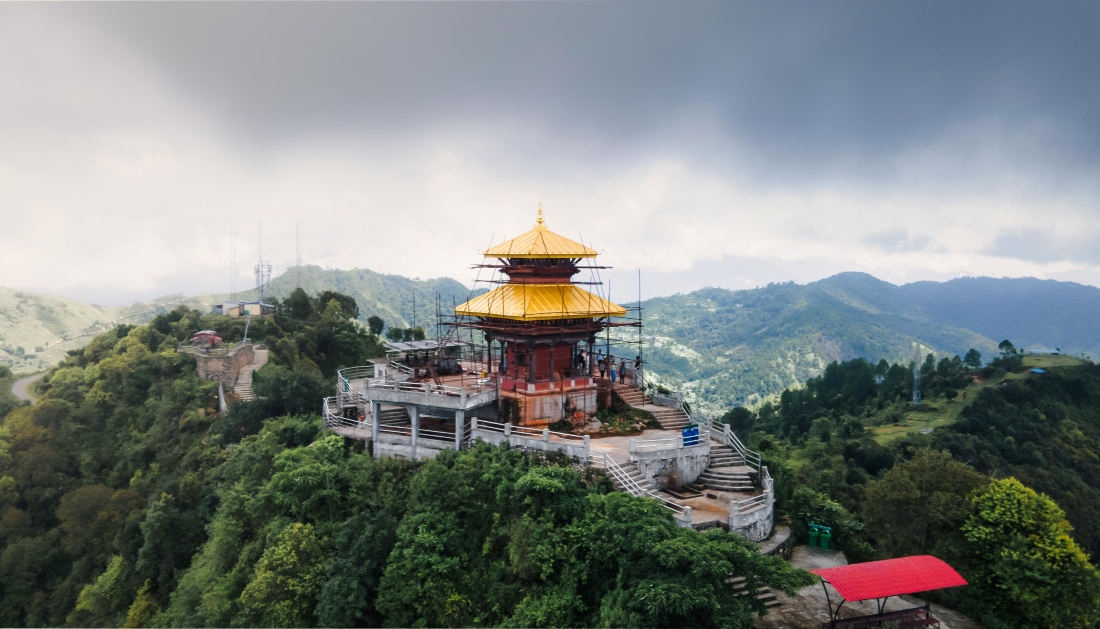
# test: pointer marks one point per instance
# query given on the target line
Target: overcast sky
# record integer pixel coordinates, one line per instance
(724, 144)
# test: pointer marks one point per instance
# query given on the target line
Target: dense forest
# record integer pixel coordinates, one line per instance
(1008, 493)
(125, 500)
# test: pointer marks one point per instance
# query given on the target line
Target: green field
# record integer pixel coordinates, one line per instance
(936, 413)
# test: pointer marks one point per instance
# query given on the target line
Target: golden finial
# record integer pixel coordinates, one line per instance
(538, 221)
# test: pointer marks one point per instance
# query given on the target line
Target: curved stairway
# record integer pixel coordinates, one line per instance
(726, 471)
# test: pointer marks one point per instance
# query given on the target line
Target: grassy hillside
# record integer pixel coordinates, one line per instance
(387, 296)
(731, 348)
(37, 330)
(1029, 311)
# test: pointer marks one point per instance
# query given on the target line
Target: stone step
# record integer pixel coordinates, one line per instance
(720, 475)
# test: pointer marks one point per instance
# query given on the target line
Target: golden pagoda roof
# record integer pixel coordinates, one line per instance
(540, 243)
(539, 302)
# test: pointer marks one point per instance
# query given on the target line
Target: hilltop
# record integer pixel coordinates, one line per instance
(46, 327)
(388, 296)
(728, 348)
(37, 330)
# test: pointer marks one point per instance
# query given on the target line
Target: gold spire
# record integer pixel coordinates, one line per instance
(540, 242)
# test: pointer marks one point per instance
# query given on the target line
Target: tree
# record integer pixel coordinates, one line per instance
(1007, 348)
(1026, 570)
(919, 505)
(288, 578)
(973, 358)
(298, 305)
(347, 303)
(376, 324)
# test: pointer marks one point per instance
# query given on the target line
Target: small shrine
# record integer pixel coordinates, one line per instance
(541, 327)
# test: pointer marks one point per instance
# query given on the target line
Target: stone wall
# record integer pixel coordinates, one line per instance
(674, 467)
(755, 525)
(225, 367)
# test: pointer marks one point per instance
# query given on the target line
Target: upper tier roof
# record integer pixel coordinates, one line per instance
(540, 243)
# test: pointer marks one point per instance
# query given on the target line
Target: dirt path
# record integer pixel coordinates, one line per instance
(19, 389)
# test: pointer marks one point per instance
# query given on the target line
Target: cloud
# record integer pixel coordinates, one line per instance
(732, 142)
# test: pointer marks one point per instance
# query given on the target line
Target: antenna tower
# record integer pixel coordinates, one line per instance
(263, 270)
(917, 359)
(232, 260)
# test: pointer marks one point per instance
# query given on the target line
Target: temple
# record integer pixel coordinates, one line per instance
(528, 364)
(544, 327)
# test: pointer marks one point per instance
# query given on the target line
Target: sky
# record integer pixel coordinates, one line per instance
(723, 144)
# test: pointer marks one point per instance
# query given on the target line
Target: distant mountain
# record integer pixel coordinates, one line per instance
(391, 297)
(730, 348)
(1028, 311)
(46, 327)
(37, 330)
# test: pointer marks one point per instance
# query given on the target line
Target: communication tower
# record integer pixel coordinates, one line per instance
(263, 269)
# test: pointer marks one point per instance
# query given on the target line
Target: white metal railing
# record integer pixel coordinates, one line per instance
(659, 444)
(490, 426)
(427, 387)
(536, 433)
(754, 502)
(398, 367)
(632, 487)
(333, 419)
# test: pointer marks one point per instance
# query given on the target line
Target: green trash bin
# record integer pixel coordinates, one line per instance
(825, 537)
(814, 535)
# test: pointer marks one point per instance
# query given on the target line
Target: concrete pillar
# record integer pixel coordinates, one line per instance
(686, 518)
(587, 448)
(375, 423)
(546, 434)
(507, 429)
(414, 414)
(460, 424)
(633, 446)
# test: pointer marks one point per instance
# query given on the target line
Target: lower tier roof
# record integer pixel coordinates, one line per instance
(539, 302)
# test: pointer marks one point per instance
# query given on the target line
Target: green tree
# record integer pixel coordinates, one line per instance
(288, 578)
(376, 324)
(1026, 569)
(1007, 348)
(919, 505)
(299, 305)
(973, 358)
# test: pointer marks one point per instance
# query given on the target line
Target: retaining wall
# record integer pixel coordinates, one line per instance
(224, 369)
(672, 467)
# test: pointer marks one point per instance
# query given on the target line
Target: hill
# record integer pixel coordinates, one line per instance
(729, 348)
(390, 297)
(37, 330)
(1031, 312)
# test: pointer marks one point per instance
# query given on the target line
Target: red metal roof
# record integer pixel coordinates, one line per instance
(891, 577)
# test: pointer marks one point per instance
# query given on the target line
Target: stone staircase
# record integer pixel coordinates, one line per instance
(242, 388)
(632, 471)
(725, 472)
(762, 594)
(398, 415)
(668, 418)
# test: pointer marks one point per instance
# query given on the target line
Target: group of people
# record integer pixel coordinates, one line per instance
(620, 369)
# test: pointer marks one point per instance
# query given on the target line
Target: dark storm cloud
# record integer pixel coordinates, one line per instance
(807, 90)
